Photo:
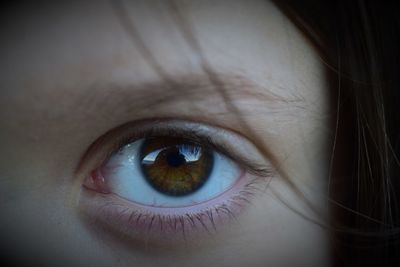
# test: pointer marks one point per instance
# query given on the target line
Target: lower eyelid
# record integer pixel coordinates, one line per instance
(195, 207)
(239, 183)
(159, 224)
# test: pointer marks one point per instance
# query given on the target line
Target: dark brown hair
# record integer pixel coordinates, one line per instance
(359, 42)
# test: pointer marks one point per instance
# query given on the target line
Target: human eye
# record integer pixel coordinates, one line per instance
(169, 180)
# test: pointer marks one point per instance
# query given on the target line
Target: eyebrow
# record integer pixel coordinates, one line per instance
(190, 88)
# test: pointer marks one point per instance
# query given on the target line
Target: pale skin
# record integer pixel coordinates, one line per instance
(71, 72)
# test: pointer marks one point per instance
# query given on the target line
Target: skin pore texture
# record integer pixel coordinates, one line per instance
(73, 71)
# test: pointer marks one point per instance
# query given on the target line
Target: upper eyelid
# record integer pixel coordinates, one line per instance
(103, 143)
(260, 170)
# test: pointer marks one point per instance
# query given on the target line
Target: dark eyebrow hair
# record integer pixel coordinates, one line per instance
(194, 88)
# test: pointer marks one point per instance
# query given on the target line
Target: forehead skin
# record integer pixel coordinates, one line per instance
(71, 71)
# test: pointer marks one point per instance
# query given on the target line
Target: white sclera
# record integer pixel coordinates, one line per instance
(124, 177)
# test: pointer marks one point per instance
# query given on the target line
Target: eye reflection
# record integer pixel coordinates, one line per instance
(175, 166)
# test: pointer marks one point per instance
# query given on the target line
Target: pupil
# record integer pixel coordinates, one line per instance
(175, 159)
(175, 166)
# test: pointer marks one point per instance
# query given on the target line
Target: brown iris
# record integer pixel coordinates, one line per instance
(175, 166)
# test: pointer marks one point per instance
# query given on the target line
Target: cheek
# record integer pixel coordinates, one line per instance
(271, 232)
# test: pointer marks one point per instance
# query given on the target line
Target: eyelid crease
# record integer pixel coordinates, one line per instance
(260, 170)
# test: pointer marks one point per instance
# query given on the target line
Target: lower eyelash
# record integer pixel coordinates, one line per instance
(146, 225)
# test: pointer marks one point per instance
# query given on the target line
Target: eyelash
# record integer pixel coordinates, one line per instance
(138, 221)
(160, 227)
(209, 141)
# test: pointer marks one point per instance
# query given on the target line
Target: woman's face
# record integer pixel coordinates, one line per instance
(238, 72)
